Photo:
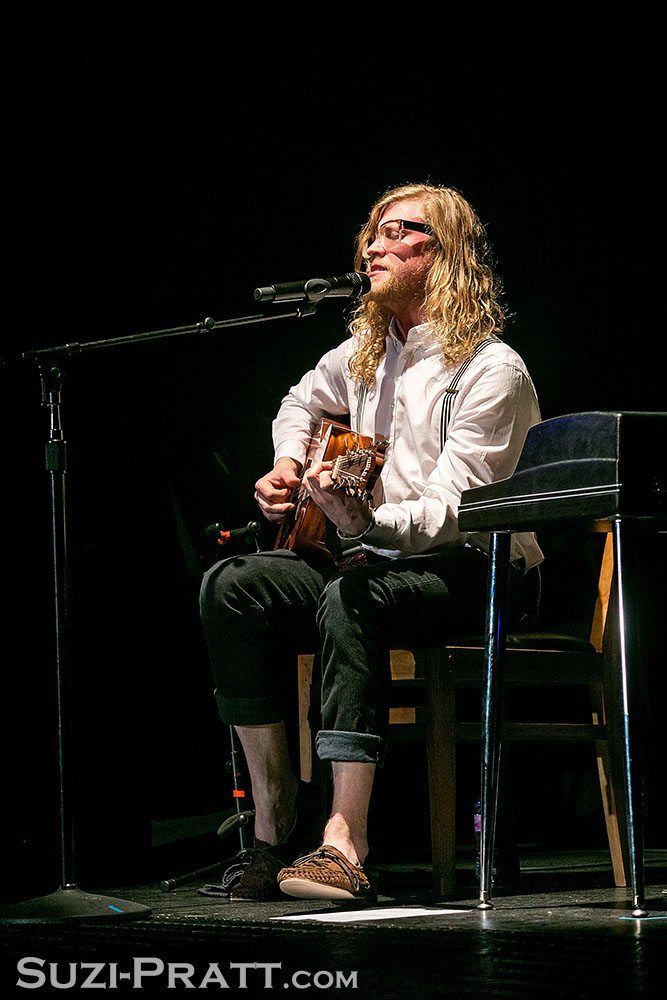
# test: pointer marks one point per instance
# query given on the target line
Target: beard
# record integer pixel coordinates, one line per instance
(400, 293)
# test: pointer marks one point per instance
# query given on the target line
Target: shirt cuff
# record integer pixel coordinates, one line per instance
(382, 534)
(362, 534)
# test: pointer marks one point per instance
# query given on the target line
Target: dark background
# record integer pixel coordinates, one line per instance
(156, 173)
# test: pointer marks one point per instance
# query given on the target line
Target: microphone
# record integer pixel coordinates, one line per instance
(345, 286)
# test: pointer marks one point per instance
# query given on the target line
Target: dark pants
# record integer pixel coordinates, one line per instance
(257, 607)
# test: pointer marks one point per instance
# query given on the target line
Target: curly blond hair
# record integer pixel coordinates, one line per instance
(463, 295)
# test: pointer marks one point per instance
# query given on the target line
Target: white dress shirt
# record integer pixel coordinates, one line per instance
(417, 496)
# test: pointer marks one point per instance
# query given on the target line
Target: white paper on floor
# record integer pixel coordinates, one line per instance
(390, 913)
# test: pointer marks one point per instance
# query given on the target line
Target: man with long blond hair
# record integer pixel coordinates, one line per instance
(425, 370)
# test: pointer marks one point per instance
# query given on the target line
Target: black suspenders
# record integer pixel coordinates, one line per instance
(450, 392)
(452, 389)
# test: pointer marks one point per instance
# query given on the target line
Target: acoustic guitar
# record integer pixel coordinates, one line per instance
(357, 462)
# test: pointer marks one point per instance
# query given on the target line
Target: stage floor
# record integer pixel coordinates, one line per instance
(564, 931)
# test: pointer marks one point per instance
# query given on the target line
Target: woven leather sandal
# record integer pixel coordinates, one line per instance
(325, 874)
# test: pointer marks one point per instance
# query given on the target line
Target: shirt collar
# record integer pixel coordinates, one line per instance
(420, 332)
(416, 334)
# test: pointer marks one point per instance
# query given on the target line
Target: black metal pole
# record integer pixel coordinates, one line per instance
(629, 667)
(496, 634)
(56, 466)
(68, 901)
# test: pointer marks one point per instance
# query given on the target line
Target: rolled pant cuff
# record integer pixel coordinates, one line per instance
(249, 711)
(332, 744)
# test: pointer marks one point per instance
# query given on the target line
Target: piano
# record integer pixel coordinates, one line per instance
(581, 467)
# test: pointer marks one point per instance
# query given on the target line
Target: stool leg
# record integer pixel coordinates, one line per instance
(629, 665)
(441, 756)
(494, 662)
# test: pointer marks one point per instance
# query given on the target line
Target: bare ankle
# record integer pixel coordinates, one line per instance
(353, 845)
(275, 812)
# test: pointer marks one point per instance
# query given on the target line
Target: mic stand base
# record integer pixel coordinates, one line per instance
(70, 903)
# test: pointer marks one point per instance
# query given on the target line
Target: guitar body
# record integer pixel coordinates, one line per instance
(357, 464)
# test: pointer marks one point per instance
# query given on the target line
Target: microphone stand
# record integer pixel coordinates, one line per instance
(68, 901)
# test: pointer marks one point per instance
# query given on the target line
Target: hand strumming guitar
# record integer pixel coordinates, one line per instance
(273, 491)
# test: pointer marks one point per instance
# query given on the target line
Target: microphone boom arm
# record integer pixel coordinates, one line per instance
(207, 325)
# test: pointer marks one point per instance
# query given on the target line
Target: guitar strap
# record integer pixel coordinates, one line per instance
(363, 392)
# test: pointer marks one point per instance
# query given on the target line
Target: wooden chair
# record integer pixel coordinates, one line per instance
(426, 681)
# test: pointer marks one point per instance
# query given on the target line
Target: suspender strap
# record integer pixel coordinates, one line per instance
(452, 389)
